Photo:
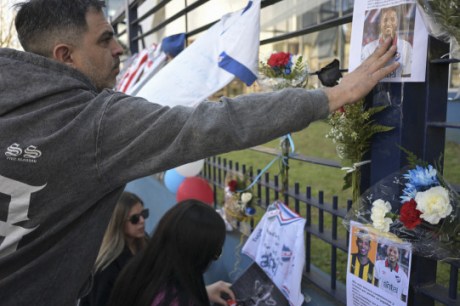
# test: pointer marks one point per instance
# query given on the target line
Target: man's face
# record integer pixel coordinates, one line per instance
(97, 54)
(392, 254)
(388, 24)
(364, 246)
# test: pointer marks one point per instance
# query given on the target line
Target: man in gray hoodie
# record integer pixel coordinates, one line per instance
(69, 144)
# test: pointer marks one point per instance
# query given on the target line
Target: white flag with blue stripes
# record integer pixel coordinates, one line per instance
(229, 48)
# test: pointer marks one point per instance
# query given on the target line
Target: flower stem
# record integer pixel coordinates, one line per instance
(355, 184)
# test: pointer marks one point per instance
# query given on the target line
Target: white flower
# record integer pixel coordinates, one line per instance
(378, 212)
(246, 197)
(434, 204)
(383, 224)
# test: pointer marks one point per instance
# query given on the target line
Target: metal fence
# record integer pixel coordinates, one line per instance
(317, 211)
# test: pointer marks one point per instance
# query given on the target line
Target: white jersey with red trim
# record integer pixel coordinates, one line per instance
(277, 246)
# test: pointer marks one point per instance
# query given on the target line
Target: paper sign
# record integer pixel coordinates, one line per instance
(378, 268)
(376, 20)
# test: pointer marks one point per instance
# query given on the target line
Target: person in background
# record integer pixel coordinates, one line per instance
(187, 239)
(125, 236)
(70, 144)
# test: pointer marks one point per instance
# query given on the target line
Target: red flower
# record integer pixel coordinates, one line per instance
(341, 110)
(232, 185)
(279, 59)
(410, 216)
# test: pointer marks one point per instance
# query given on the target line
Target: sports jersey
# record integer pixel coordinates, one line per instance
(277, 246)
(393, 281)
(365, 272)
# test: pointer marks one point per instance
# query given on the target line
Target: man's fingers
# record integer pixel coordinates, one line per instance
(383, 72)
(381, 49)
(381, 61)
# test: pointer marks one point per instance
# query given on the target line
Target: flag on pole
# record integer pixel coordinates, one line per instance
(229, 48)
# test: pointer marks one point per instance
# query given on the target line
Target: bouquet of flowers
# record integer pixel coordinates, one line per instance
(283, 70)
(351, 130)
(418, 206)
(237, 200)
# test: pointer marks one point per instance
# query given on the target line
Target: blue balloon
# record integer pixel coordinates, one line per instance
(173, 180)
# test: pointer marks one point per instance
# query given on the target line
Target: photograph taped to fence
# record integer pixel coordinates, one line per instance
(377, 20)
(378, 268)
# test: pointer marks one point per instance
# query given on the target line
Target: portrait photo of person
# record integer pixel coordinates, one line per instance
(390, 275)
(397, 23)
(362, 259)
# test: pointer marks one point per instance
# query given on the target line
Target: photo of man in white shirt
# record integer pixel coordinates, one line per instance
(389, 22)
(390, 276)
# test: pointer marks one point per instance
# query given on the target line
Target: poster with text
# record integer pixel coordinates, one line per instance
(377, 20)
(378, 268)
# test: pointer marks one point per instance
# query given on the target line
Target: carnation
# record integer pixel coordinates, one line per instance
(380, 209)
(434, 204)
(410, 215)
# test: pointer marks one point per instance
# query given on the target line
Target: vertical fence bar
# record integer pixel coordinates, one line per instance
(335, 205)
(267, 189)
(214, 179)
(349, 205)
(321, 212)
(277, 186)
(453, 281)
(219, 171)
(259, 188)
(296, 192)
(308, 235)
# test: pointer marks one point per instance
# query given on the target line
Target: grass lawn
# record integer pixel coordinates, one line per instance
(312, 142)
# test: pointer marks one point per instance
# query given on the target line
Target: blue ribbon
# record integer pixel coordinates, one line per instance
(280, 156)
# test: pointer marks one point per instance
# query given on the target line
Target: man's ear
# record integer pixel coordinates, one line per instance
(63, 53)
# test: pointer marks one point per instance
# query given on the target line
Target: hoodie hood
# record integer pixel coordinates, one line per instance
(26, 78)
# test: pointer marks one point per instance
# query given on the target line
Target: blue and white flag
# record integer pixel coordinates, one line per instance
(229, 48)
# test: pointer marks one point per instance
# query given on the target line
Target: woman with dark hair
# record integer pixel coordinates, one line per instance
(123, 238)
(170, 270)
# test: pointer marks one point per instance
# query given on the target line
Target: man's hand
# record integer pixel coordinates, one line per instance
(360, 82)
(217, 290)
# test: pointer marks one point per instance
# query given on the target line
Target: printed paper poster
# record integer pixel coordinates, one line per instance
(378, 268)
(376, 20)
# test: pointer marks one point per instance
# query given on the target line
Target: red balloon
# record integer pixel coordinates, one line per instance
(197, 188)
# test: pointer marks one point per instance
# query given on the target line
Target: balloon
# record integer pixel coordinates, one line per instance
(173, 180)
(195, 188)
(191, 169)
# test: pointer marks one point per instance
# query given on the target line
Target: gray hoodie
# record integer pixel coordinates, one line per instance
(67, 152)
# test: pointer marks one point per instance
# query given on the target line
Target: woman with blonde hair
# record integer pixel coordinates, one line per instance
(125, 236)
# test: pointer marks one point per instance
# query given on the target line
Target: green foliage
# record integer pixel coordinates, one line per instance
(413, 159)
(352, 129)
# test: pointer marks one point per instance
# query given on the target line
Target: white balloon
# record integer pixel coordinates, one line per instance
(191, 169)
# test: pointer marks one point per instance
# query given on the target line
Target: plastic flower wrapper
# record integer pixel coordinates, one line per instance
(283, 70)
(416, 205)
(237, 200)
(442, 20)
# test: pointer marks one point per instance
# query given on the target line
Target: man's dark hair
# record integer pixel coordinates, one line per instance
(40, 23)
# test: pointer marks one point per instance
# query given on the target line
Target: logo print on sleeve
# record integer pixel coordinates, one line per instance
(18, 208)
